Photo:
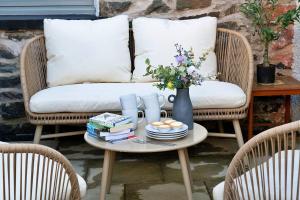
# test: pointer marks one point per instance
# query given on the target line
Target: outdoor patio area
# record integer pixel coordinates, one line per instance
(150, 99)
(150, 176)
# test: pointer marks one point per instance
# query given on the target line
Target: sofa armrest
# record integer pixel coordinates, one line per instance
(235, 60)
(33, 68)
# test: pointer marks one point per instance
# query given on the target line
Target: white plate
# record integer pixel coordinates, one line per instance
(166, 134)
(170, 133)
(162, 135)
(166, 138)
(150, 128)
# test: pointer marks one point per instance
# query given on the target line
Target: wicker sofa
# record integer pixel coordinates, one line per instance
(235, 64)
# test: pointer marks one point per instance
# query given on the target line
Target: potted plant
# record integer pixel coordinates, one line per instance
(269, 28)
(180, 77)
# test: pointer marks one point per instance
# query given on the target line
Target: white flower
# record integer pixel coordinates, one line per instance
(197, 72)
(191, 70)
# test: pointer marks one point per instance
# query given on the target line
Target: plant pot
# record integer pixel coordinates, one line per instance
(266, 74)
(182, 107)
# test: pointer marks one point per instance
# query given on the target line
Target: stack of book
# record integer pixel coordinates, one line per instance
(110, 127)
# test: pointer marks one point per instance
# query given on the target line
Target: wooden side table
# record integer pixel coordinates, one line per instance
(284, 86)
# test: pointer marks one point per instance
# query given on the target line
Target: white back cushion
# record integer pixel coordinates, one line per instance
(155, 39)
(87, 51)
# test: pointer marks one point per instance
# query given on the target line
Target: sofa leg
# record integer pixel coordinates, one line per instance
(238, 132)
(38, 134)
(220, 126)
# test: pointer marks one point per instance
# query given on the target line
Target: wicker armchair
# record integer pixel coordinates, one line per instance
(30, 171)
(235, 63)
(266, 167)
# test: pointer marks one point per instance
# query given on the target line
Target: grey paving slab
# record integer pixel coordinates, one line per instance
(136, 172)
(163, 191)
(80, 167)
(79, 150)
(151, 176)
(116, 193)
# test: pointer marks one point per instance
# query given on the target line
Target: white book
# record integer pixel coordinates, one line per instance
(103, 134)
(117, 137)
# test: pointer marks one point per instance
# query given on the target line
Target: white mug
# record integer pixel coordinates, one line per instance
(130, 101)
(153, 101)
(153, 115)
(134, 115)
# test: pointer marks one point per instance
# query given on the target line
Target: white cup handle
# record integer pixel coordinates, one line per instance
(163, 100)
(143, 116)
(140, 101)
(165, 112)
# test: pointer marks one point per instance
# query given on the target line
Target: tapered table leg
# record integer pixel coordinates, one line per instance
(185, 172)
(188, 166)
(105, 173)
(110, 170)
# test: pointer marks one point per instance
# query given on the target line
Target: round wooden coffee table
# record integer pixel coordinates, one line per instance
(195, 136)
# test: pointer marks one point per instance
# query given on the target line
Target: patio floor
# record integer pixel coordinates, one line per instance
(150, 176)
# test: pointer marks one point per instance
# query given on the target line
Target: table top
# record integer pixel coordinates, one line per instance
(195, 136)
(282, 83)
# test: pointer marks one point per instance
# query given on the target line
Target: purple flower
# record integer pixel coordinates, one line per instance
(179, 59)
(184, 79)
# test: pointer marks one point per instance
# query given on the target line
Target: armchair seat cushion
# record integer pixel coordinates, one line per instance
(291, 170)
(99, 97)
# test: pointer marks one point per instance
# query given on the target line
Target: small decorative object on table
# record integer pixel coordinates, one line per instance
(110, 127)
(182, 76)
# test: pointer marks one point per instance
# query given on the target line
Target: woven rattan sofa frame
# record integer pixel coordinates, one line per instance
(58, 176)
(235, 64)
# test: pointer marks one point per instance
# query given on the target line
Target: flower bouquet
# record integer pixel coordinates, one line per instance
(181, 76)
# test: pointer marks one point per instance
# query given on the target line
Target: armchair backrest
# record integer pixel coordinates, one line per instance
(30, 171)
(267, 166)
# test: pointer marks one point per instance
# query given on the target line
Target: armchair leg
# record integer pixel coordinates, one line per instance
(238, 132)
(38, 134)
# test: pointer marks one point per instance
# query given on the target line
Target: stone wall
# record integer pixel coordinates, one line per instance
(13, 123)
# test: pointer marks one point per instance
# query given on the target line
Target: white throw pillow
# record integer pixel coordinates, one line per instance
(156, 38)
(87, 51)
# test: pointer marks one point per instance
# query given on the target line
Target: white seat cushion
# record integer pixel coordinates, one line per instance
(156, 38)
(87, 51)
(98, 97)
(218, 190)
(34, 183)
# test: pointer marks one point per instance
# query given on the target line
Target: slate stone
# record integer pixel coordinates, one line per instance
(16, 130)
(211, 14)
(4, 53)
(233, 9)
(9, 81)
(11, 94)
(157, 6)
(192, 4)
(229, 25)
(8, 68)
(112, 8)
(11, 110)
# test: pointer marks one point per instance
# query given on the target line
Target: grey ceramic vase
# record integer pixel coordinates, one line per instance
(182, 107)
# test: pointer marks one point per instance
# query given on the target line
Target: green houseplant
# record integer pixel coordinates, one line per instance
(269, 28)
